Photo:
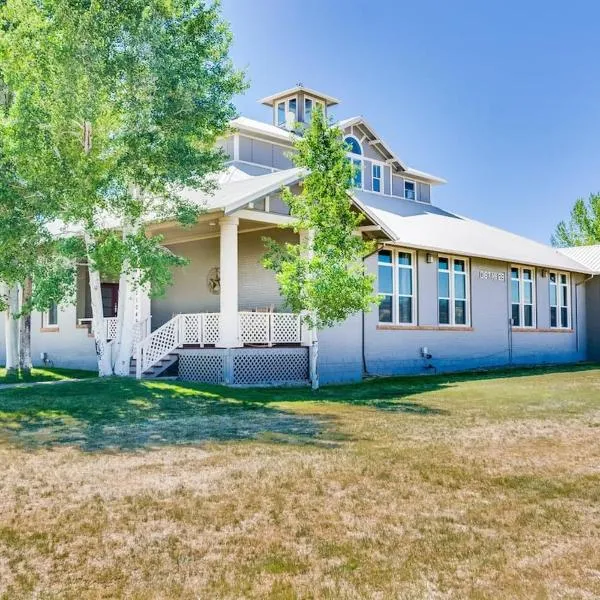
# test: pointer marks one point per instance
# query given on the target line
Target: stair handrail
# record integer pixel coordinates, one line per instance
(143, 344)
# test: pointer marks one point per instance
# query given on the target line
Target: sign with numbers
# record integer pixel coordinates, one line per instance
(492, 275)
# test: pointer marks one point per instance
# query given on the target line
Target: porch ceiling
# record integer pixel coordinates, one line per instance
(207, 227)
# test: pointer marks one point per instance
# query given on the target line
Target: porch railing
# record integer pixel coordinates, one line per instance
(140, 330)
(203, 329)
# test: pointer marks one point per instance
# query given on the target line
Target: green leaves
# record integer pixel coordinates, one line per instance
(323, 275)
(583, 226)
(115, 107)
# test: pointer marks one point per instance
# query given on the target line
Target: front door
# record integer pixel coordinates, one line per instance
(110, 299)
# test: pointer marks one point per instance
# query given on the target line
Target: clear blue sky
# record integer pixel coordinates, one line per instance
(501, 98)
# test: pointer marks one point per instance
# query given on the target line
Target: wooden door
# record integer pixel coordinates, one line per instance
(110, 299)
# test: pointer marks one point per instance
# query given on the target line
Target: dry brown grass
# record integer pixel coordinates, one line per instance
(437, 488)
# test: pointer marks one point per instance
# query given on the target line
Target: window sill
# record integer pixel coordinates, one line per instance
(393, 327)
(542, 330)
(50, 329)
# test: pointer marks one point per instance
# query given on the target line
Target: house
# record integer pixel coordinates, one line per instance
(589, 256)
(456, 294)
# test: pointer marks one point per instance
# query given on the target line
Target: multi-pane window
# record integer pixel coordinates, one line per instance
(355, 154)
(453, 291)
(410, 190)
(522, 296)
(285, 107)
(560, 314)
(396, 276)
(50, 317)
(376, 178)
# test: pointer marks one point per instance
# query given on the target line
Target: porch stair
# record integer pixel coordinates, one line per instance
(157, 368)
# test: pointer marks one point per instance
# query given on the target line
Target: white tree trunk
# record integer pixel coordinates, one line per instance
(126, 315)
(25, 332)
(102, 347)
(126, 321)
(12, 330)
(314, 361)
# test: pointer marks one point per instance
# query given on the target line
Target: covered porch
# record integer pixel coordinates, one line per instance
(224, 299)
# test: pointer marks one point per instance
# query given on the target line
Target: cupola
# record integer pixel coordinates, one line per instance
(292, 109)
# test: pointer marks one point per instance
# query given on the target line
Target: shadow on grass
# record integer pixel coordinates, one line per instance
(41, 374)
(124, 414)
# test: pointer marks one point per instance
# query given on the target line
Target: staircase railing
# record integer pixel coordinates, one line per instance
(200, 329)
(192, 328)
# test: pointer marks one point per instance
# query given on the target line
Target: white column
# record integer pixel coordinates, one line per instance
(229, 328)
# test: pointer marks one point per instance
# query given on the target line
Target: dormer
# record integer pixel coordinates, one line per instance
(292, 109)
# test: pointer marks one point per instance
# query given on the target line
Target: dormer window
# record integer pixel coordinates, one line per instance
(410, 190)
(355, 157)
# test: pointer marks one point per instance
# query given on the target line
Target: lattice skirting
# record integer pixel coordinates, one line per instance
(207, 366)
(245, 366)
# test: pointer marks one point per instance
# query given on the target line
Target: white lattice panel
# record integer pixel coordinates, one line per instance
(206, 366)
(270, 366)
(210, 329)
(164, 340)
(111, 327)
(192, 328)
(254, 328)
(285, 328)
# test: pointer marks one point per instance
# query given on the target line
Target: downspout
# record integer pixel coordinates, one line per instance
(364, 357)
(577, 310)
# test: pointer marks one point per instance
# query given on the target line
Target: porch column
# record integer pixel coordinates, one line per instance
(229, 331)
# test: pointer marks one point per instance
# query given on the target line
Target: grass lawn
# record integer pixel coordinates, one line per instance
(45, 375)
(445, 487)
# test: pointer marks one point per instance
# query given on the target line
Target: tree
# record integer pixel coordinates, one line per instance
(117, 107)
(323, 276)
(583, 226)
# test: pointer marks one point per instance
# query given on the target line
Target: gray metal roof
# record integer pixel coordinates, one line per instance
(589, 256)
(236, 193)
(420, 225)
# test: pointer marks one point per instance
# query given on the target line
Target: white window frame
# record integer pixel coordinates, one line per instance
(46, 320)
(522, 302)
(395, 295)
(379, 166)
(357, 158)
(559, 304)
(451, 288)
(415, 190)
(286, 104)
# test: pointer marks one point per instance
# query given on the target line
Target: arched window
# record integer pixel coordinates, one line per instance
(354, 154)
(355, 147)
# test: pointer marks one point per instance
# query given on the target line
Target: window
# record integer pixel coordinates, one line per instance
(355, 157)
(522, 295)
(50, 318)
(285, 107)
(376, 178)
(281, 114)
(308, 107)
(410, 190)
(560, 314)
(453, 291)
(396, 276)
(354, 145)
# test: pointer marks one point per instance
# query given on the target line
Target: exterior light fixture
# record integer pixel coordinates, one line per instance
(429, 258)
(544, 272)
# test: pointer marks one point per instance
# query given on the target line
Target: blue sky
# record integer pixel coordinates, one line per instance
(502, 99)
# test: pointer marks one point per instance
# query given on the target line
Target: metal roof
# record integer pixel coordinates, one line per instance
(269, 100)
(589, 256)
(420, 225)
(234, 194)
(392, 158)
